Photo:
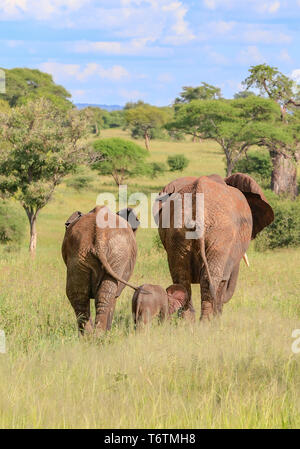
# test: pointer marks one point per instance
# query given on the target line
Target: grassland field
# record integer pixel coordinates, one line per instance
(236, 372)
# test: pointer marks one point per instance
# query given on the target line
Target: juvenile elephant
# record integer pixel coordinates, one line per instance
(235, 210)
(152, 300)
(99, 250)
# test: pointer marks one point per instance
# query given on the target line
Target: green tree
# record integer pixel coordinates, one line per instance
(23, 85)
(135, 104)
(144, 119)
(95, 118)
(203, 92)
(257, 164)
(243, 94)
(123, 159)
(286, 93)
(114, 119)
(234, 124)
(41, 145)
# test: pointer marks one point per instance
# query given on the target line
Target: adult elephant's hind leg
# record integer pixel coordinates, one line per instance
(78, 294)
(211, 305)
(180, 273)
(105, 302)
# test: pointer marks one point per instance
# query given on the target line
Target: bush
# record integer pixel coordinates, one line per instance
(80, 182)
(285, 229)
(12, 227)
(178, 162)
(157, 169)
(258, 164)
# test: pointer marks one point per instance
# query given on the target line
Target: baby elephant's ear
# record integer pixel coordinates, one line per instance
(177, 297)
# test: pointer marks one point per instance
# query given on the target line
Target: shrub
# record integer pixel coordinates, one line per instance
(258, 164)
(177, 162)
(157, 169)
(285, 229)
(80, 182)
(12, 227)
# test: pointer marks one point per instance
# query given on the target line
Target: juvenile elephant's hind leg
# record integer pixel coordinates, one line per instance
(105, 303)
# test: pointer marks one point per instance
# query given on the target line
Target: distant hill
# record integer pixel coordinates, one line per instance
(108, 107)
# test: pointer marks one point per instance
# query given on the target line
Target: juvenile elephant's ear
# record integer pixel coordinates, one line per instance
(177, 297)
(262, 212)
(129, 215)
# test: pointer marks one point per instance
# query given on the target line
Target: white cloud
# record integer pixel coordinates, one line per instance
(78, 93)
(132, 47)
(215, 57)
(64, 71)
(180, 31)
(14, 44)
(284, 56)
(210, 4)
(131, 95)
(256, 35)
(165, 78)
(270, 7)
(251, 55)
(39, 9)
(150, 19)
(295, 75)
(222, 27)
(267, 6)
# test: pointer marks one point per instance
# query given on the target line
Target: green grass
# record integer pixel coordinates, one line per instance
(238, 371)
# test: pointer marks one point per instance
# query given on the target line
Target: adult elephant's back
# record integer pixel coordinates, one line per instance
(235, 210)
(99, 250)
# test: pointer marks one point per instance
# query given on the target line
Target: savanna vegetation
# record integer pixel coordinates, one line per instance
(238, 371)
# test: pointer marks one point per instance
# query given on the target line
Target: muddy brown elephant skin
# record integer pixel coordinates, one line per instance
(100, 261)
(235, 210)
(152, 300)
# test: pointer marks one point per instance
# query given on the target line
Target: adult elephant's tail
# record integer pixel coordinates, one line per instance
(200, 190)
(102, 258)
(203, 256)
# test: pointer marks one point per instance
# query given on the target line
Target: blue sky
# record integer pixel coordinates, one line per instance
(113, 51)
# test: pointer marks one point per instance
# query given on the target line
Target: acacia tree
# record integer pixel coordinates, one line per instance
(145, 118)
(122, 159)
(286, 93)
(23, 84)
(203, 92)
(234, 124)
(40, 145)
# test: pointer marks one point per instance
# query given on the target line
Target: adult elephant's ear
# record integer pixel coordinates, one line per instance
(262, 212)
(129, 215)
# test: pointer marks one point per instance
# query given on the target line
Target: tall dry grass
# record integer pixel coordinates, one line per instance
(238, 371)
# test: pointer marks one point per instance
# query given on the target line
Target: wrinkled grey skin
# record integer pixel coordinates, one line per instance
(235, 211)
(99, 261)
(152, 300)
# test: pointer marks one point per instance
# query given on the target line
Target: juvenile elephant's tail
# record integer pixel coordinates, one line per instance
(101, 256)
(137, 311)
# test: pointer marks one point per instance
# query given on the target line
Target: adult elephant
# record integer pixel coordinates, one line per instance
(235, 211)
(99, 250)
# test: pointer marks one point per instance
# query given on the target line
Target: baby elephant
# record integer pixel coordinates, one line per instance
(152, 300)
